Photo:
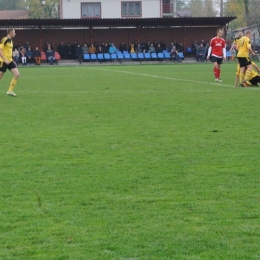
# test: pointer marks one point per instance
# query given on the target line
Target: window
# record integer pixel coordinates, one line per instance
(90, 10)
(131, 9)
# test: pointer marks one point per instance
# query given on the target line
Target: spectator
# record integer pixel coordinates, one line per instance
(50, 55)
(103, 46)
(200, 54)
(195, 47)
(174, 54)
(84, 49)
(62, 50)
(37, 56)
(29, 56)
(138, 48)
(74, 49)
(132, 48)
(112, 48)
(69, 51)
(163, 45)
(151, 48)
(180, 48)
(92, 49)
(23, 56)
(106, 48)
(79, 54)
(158, 48)
(147, 45)
(53, 46)
(123, 47)
(16, 56)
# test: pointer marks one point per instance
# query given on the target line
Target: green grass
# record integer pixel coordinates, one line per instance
(129, 163)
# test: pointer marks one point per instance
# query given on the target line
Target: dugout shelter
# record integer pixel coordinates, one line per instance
(181, 29)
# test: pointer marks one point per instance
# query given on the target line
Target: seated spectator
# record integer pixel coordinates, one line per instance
(23, 56)
(29, 56)
(174, 54)
(138, 48)
(37, 56)
(200, 54)
(16, 56)
(99, 49)
(158, 48)
(92, 49)
(106, 48)
(144, 48)
(112, 48)
(84, 49)
(123, 47)
(180, 48)
(163, 45)
(151, 48)
(50, 55)
(132, 48)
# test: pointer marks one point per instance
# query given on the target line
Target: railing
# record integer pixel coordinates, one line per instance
(167, 8)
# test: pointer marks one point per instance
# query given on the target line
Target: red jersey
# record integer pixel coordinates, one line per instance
(217, 45)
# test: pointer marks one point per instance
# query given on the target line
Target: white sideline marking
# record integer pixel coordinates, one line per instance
(169, 78)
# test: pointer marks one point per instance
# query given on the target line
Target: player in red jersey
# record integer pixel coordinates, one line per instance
(217, 49)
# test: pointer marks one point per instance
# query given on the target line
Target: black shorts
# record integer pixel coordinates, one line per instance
(4, 66)
(243, 61)
(216, 59)
(255, 80)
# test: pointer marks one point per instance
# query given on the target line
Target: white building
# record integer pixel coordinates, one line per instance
(73, 9)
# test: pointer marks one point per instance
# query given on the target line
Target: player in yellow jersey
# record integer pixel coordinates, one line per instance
(234, 45)
(254, 77)
(6, 60)
(244, 49)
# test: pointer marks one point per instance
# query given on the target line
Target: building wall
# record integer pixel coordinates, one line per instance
(185, 35)
(109, 8)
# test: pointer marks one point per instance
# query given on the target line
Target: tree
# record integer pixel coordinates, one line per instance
(202, 8)
(235, 8)
(254, 8)
(41, 8)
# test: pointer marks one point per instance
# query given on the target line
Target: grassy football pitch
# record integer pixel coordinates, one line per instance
(148, 162)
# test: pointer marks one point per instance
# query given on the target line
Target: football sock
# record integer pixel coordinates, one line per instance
(216, 73)
(241, 76)
(12, 85)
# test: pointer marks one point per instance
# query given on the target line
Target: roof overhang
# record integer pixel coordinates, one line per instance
(117, 23)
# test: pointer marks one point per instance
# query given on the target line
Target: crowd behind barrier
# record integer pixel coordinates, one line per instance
(25, 54)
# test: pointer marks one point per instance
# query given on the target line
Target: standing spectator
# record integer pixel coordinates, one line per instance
(69, 51)
(79, 54)
(106, 48)
(37, 56)
(50, 55)
(195, 47)
(163, 45)
(217, 49)
(62, 50)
